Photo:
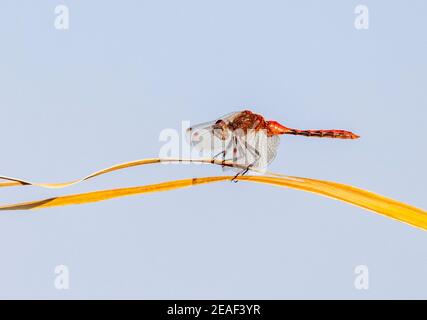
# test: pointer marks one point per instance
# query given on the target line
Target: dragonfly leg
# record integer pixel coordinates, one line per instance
(219, 153)
(254, 153)
(240, 173)
(243, 172)
(223, 157)
(246, 170)
(224, 153)
(235, 177)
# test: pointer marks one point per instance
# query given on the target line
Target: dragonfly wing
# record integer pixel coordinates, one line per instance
(205, 137)
(229, 117)
(273, 143)
(236, 153)
(257, 151)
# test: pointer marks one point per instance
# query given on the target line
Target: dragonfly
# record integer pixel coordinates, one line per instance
(248, 140)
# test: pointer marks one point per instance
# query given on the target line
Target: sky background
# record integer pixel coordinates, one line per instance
(75, 101)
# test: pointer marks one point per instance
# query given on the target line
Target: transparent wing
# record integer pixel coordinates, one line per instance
(273, 143)
(229, 117)
(206, 138)
(255, 150)
(194, 133)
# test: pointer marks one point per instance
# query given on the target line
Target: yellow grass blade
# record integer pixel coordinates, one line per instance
(20, 182)
(358, 197)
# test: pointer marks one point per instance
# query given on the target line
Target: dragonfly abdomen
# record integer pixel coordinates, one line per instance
(337, 134)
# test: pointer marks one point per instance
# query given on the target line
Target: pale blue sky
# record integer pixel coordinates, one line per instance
(75, 101)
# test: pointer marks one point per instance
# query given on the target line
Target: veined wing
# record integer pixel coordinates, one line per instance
(256, 150)
(273, 143)
(229, 117)
(208, 136)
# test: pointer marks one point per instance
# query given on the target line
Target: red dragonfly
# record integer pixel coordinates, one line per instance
(247, 139)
